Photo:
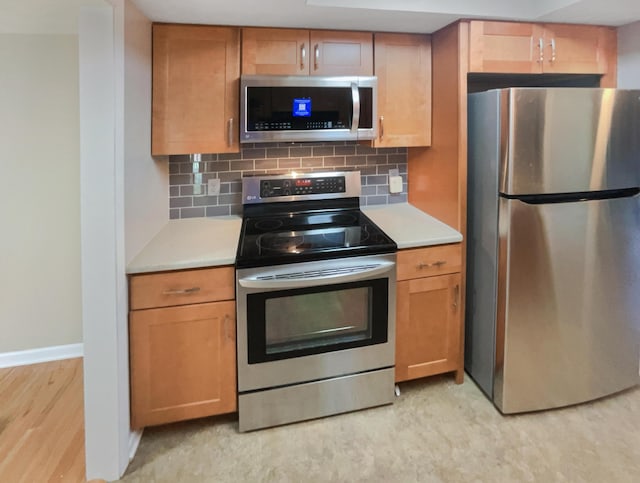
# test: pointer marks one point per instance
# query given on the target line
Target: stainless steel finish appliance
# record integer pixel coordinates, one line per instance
(299, 108)
(315, 289)
(553, 285)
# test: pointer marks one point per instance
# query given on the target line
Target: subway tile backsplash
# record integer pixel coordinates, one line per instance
(189, 174)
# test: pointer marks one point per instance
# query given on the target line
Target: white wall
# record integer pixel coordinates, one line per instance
(102, 241)
(629, 56)
(39, 192)
(146, 180)
(119, 215)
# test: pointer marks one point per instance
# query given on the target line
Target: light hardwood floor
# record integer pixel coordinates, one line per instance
(42, 423)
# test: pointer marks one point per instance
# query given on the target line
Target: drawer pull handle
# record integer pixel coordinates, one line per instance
(185, 291)
(439, 263)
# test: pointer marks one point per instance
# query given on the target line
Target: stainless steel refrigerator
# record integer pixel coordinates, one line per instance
(553, 245)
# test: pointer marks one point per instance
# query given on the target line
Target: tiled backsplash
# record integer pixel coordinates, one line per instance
(189, 174)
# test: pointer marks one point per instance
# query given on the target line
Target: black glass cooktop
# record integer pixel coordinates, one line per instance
(273, 238)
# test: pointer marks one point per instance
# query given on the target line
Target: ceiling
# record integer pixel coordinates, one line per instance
(423, 16)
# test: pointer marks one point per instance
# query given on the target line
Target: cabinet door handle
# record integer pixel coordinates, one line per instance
(381, 128)
(185, 291)
(553, 50)
(456, 296)
(541, 50)
(230, 132)
(438, 263)
(226, 326)
(316, 56)
(303, 56)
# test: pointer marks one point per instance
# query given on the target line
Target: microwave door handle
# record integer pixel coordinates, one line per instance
(356, 274)
(355, 98)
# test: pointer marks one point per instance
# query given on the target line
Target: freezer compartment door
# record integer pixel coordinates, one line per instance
(568, 327)
(564, 140)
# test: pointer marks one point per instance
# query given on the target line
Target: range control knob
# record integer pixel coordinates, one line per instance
(266, 189)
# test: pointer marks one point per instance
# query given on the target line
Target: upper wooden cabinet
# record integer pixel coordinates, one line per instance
(196, 72)
(306, 52)
(403, 67)
(525, 48)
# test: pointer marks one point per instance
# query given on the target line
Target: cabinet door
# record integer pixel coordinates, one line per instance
(428, 327)
(578, 49)
(275, 51)
(403, 68)
(196, 72)
(183, 362)
(505, 47)
(341, 53)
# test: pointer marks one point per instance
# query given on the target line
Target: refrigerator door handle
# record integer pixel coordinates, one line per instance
(549, 198)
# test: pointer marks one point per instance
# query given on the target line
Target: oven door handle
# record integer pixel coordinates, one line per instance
(316, 278)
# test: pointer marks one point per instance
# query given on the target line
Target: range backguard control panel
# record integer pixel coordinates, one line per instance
(301, 186)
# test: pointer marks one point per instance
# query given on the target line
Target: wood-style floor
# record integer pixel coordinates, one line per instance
(42, 423)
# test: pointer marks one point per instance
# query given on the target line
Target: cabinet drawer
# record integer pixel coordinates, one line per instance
(425, 262)
(182, 287)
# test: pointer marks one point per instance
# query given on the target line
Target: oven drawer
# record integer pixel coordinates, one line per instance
(181, 287)
(425, 262)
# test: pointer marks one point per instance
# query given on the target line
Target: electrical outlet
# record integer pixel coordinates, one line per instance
(213, 187)
(395, 184)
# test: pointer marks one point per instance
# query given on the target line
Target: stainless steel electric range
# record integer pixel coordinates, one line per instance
(316, 301)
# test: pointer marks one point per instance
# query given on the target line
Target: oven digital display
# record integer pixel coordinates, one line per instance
(303, 182)
(301, 108)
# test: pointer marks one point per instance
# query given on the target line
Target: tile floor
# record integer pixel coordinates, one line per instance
(436, 431)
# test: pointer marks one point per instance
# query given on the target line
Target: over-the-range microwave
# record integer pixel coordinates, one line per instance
(299, 108)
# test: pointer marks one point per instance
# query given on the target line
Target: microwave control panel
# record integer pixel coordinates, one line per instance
(301, 186)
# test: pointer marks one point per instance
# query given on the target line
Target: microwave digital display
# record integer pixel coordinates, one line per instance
(302, 107)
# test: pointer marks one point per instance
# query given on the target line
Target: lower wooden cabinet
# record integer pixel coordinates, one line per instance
(428, 315)
(427, 326)
(182, 357)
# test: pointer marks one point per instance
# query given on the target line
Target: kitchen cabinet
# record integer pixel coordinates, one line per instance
(403, 68)
(273, 51)
(196, 72)
(182, 345)
(429, 313)
(529, 48)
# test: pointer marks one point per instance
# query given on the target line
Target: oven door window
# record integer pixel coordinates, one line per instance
(298, 322)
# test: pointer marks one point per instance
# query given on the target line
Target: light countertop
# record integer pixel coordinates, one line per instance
(410, 227)
(209, 242)
(190, 243)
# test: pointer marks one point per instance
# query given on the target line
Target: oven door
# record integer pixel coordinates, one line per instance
(310, 321)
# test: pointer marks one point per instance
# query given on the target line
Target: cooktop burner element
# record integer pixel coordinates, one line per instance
(286, 229)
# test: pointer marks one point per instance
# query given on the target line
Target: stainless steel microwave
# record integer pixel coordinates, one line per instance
(299, 108)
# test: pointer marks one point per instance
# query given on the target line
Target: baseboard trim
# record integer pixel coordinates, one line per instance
(134, 442)
(44, 354)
